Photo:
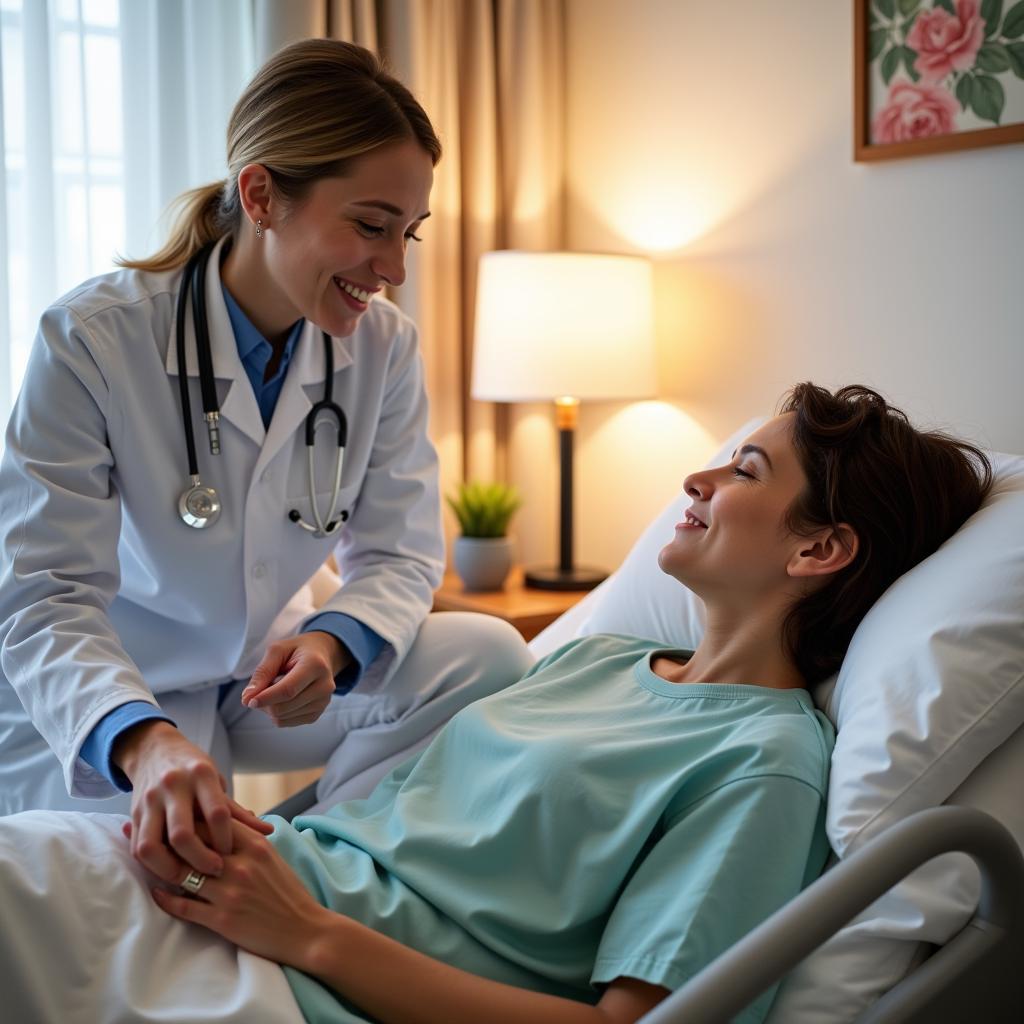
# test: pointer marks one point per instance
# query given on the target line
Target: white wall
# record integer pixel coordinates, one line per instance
(717, 136)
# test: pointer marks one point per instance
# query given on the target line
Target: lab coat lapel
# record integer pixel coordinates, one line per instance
(303, 386)
(238, 406)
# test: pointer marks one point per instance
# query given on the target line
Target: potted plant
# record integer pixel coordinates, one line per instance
(483, 554)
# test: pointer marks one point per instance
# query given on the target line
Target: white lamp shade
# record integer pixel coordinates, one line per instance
(559, 324)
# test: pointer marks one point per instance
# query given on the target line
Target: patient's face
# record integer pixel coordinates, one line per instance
(742, 551)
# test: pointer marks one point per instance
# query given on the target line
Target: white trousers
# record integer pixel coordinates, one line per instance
(457, 658)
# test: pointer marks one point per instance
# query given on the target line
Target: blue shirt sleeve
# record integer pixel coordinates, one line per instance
(362, 642)
(99, 744)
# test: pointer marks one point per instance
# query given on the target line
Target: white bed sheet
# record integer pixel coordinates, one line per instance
(114, 956)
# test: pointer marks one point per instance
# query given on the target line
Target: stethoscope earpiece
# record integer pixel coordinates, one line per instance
(296, 517)
(199, 506)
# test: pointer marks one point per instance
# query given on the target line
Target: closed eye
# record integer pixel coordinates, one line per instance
(739, 472)
(376, 231)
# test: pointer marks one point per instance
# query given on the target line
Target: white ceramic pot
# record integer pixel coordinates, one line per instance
(482, 562)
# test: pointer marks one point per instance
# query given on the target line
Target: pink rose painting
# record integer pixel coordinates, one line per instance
(940, 67)
(914, 112)
(946, 42)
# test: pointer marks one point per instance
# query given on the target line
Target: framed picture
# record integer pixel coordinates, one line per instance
(932, 76)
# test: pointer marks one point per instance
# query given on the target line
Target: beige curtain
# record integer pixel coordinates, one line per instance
(490, 73)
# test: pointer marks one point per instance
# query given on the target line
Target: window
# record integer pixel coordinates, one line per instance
(109, 109)
(63, 159)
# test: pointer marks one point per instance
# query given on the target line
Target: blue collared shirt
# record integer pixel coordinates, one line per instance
(361, 642)
(256, 352)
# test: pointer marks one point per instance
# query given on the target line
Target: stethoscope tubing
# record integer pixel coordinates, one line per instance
(187, 278)
(326, 525)
(194, 277)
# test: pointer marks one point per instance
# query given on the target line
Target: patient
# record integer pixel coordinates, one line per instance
(577, 846)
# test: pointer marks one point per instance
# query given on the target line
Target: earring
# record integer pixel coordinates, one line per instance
(259, 229)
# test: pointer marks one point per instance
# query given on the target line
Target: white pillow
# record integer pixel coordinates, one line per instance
(933, 683)
(931, 687)
(934, 678)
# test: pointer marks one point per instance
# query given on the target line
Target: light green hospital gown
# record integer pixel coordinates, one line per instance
(592, 820)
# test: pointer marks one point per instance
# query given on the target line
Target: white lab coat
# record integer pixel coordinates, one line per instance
(106, 596)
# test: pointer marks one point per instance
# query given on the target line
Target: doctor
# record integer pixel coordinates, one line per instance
(161, 506)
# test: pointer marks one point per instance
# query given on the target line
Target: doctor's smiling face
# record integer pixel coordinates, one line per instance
(325, 257)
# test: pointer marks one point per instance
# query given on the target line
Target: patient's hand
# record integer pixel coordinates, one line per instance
(257, 903)
(176, 785)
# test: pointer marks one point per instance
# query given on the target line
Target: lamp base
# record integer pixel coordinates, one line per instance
(554, 578)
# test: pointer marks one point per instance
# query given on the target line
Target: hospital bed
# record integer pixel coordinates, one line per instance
(920, 914)
(929, 759)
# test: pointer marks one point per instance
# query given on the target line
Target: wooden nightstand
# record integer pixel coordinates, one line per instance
(529, 611)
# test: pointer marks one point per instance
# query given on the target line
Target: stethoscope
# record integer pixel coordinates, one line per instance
(199, 505)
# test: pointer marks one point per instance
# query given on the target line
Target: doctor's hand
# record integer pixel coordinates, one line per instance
(176, 791)
(294, 682)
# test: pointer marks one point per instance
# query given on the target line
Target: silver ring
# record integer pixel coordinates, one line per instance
(193, 882)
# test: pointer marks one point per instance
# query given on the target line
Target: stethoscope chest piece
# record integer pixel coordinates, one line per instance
(199, 505)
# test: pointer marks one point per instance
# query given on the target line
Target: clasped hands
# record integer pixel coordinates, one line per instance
(257, 901)
(182, 817)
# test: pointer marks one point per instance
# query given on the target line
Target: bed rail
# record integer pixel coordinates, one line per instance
(979, 968)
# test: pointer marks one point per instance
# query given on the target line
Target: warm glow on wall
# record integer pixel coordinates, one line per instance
(640, 453)
(664, 152)
(649, 439)
(656, 217)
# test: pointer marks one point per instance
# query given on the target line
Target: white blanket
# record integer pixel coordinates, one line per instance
(82, 942)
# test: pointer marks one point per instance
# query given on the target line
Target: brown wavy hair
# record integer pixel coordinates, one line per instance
(903, 491)
(307, 114)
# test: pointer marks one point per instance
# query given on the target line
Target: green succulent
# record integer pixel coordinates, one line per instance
(484, 510)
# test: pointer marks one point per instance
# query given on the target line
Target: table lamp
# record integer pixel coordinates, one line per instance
(569, 327)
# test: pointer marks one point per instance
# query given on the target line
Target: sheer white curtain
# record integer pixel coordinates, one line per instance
(109, 109)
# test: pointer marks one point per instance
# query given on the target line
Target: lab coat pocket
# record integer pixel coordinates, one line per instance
(301, 510)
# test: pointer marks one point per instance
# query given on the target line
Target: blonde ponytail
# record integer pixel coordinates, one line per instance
(198, 220)
(310, 111)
